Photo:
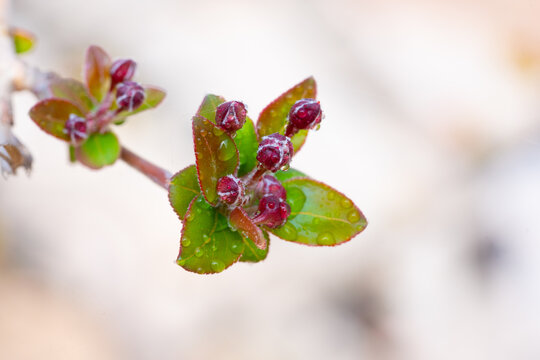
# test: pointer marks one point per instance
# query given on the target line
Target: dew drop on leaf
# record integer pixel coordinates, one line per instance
(186, 242)
(316, 221)
(288, 232)
(199, 252)
(296, 199)
(346, 203)
(353, 216)
(326, 238)
(181, 262)
(331, 195)
(226, 150)
(217, 266)
(217, 131)
(237, 248)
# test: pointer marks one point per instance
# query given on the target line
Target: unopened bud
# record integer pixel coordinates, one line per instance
(273, 212)
(129, 96)
(231, 190)
(122, 70)
(275, 151)
(305, 114)
(231, 116)
(76, 129)
(269, 185)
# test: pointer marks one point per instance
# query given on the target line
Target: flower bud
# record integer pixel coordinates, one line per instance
(273, 212)
(76, 129)
(231, 190)
(122, 70)
(231, 116)
(275, 151)
(269, 185)
(129, 96)
(305, 114)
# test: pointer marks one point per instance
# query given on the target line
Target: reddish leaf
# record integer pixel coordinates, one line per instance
(74, 91)
(274, 117)
(216, 156)
(241, 221)
(96, 72)
(51, 116)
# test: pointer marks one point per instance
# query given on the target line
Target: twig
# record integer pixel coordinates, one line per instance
(158, 175)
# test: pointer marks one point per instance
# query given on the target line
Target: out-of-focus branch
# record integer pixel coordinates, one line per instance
(13, 154)
(155, 173)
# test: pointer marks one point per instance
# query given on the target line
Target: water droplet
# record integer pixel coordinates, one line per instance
(226, 150)
(190, 216)
(205, 237)
(217, 131)
(353, 216)
(181, 262)
(346, 203)
(288, 232)
(186, 242)
(326, 239)
(200, 156)
(198, 210)
(199, 252)
(214, 247)
(237, 248)
(296, 199)
(316, 221)
(359, 227)
(331, 195)
(273, 113)
(200, 270)
(203, 132)
(217, 266)
(286, 167)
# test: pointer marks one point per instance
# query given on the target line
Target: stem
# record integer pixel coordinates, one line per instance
(158, 175)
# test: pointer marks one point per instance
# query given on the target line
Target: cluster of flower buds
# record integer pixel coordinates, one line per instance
(273, 211)
(129, 94)
(231, 116)
(275, 152)
(76, 128)
(304, 114)
(231, 191)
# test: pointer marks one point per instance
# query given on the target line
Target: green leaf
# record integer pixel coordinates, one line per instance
(273, 119)
(216, 156)
(239, 220)
(207, 109)
(208, 245)
(246, 137)
(99, 150)
(51, 116)
(96, 72)
(289, 174)
(23, 40)
(153, 97)
(183, 188)
(246, 141)
(74, 91)
(320, 215)
(252, 253)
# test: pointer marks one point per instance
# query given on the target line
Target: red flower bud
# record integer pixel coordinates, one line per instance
(231, 190)
(269, 185)
(76, 128)
(129, 95)
(275, 151)
(231, 116)
(273, 212)
(122, 70)
(305, 114)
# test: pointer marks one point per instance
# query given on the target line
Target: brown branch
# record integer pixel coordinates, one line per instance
(158, 175)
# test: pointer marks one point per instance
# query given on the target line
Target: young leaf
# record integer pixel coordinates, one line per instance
(96, 72)
(289, 174)
(51, 116)
(252, 253)
(208, 245)
(99, 150)
(183, 188)
(246, 141)
(74, 91)
(320, 215)
(216, 156)
(153, 97)
(23, 40)
(207, 109)
(274, 117)
(239, 219)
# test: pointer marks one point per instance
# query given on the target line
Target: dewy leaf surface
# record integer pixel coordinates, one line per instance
(74, 91)
(184, 187)
(153, 97)
(273, 118)
(216, 156)
(289, 174)
(99, 150)
(208, 245)
(252, 253)
(320, 215)
(241, 221)
(96, 72)
(207, 109)
(51, 116)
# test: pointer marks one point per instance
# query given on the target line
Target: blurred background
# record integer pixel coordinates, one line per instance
(432, 127)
